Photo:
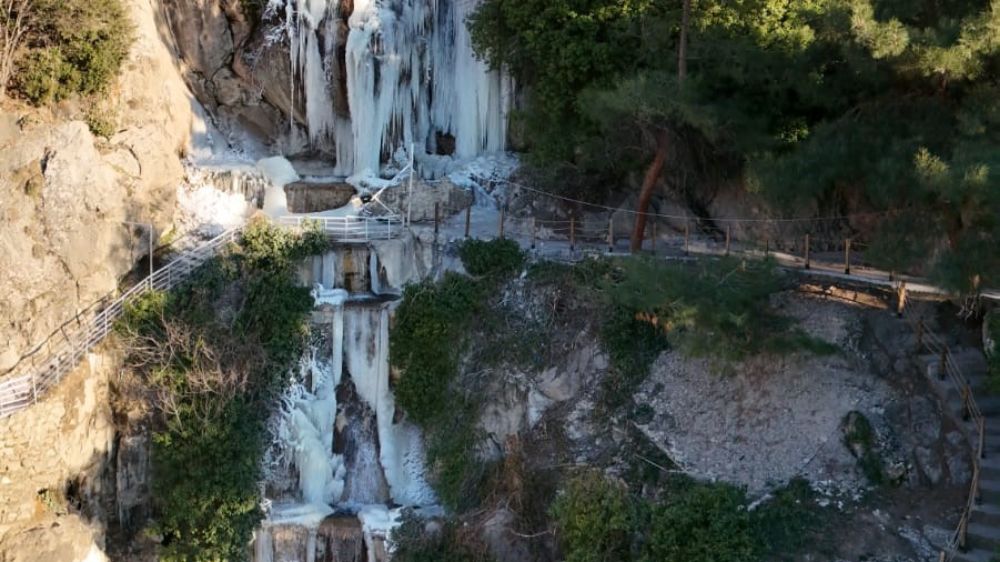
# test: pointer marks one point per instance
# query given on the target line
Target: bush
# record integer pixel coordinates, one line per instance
(412, 543)
(102, 122)
(594, 519)
(426, 340)
(493, 258)
(213, 355)
(860, 438)
(597, 520)
(76, 47)
(701, 523)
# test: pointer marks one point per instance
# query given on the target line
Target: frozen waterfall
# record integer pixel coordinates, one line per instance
(342, 460)
(383, 74)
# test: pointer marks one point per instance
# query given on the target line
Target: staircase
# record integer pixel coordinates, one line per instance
(983, 531)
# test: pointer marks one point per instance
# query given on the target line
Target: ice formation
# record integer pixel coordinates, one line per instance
(407, 74)
(338, 446)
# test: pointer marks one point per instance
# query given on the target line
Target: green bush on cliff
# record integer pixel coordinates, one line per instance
(491, 258)
(73, 47)
(213, 355)
(598, 519)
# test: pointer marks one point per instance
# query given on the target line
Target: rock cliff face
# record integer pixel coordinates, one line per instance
(53, 461)
(64, 194)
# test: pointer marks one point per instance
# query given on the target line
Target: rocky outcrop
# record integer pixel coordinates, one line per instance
(241, 74)
(313, 197)
(53, 461)
(64, 194)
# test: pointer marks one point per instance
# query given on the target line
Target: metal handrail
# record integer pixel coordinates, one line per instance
(21, 390)
(349, 229)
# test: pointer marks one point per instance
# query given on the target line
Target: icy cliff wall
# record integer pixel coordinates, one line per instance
(356, 82)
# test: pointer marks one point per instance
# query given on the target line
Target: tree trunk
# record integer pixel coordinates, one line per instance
(682, 47)
(648, 187)
(659, 160)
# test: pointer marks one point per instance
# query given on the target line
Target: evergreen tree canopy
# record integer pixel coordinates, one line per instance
(836, 105)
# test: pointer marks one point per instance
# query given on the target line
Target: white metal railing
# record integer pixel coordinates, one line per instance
(49, 362)
(350, 229)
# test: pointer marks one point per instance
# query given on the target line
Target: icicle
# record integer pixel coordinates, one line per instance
(373, 273)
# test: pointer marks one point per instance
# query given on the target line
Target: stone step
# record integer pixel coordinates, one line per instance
(984, 536)
(975, 555)
(987, 514)
(989, 490)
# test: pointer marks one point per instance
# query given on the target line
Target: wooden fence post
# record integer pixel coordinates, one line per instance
(847, 256)
(437, 217)
(534, 232)
(503, 218)
(729, 236)
(572, 233)
(611, 234)
(687, 238)
(468, 220)
(767, 246)
(808, 265)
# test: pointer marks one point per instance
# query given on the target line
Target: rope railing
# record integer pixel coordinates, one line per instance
(48, 363)
(949, 368)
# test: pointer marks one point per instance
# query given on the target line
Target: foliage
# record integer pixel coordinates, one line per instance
(860, 438)
(425, 341)
(701, 523)
(413, 543)
(717, 308)
(491, 258)
(784, 524)
(213, 354)
(74, 47)
(458, 474)
(102, 122)
(632, 345)
(821, 106)
(594, 519)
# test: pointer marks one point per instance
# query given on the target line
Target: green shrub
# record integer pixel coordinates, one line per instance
(701, 523)
(102, 122)
(632, 346)
(426, 340)
(860, 438)
(595, 519)
(459, 476)
(75, 47)
(43, 74)
(784, 524)
(499, 257)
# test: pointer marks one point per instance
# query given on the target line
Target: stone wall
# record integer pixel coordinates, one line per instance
(53, 470)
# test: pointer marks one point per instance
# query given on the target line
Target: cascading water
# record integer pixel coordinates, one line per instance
(378, 75)
(342, 461)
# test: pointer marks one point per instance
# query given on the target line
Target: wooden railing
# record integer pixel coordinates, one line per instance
(950, 369)
(49, 362)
